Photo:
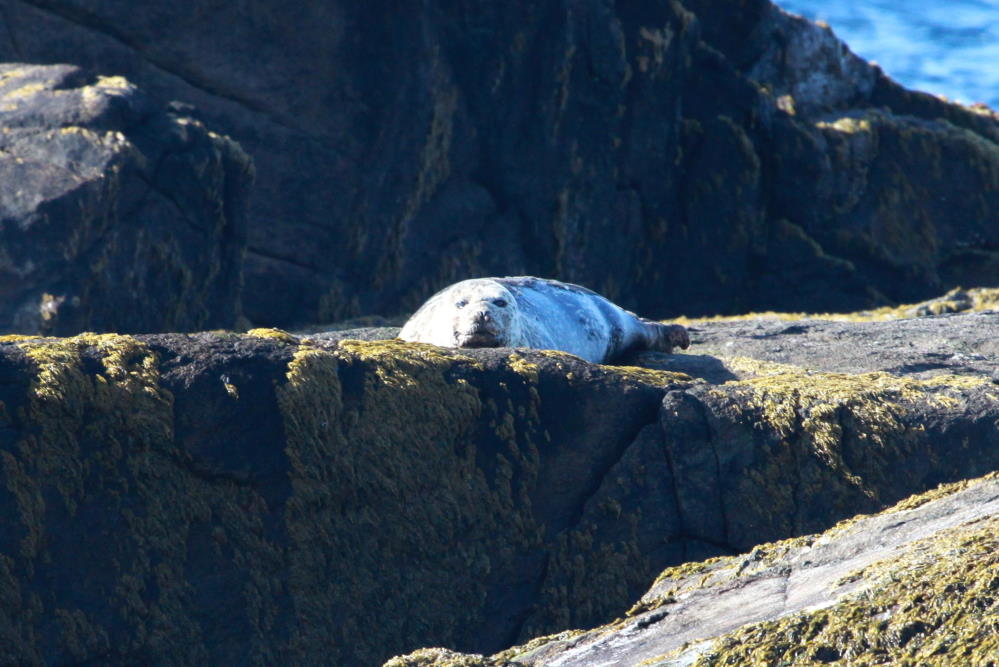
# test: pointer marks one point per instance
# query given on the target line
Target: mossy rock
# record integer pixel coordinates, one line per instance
(237, 498)
(916, 584)
(314, 491)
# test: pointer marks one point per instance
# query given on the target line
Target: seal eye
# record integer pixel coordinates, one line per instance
(461, 304)
(500, 302)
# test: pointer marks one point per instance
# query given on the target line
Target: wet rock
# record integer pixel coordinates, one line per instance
(115, 213)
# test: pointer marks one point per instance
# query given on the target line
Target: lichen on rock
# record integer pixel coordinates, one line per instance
(935, 604)
(383, 470)
(442, 657)
(95, 413)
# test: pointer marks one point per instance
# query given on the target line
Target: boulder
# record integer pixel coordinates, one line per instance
(694, 157)
(116, 213)
(235, 498)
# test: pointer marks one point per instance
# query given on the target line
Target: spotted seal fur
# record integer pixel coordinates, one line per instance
(536, 313)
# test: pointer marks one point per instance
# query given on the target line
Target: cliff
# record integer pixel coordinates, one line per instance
(681, 158)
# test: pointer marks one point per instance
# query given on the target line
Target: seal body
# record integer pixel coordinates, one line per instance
(533, 312)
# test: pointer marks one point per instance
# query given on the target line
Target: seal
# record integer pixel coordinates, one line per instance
(524, 311)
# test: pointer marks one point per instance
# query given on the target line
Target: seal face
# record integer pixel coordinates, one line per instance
(533, 312)
(483, 314)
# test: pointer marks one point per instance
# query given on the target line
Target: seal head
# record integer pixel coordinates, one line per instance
(482, 314)
(473, 313)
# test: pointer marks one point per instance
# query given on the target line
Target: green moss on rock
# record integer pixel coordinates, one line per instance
(385, 477)
(121, 402)
(934, 604)
(406, 482)
(802, 444)
(276, 334)
(96, 471)
(794, 401)
(111, 424)
(442, 657)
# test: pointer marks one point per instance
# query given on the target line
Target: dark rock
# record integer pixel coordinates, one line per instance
(227, 498)
(115, 214)
(224, 498)
(916, 582)
(690, 158)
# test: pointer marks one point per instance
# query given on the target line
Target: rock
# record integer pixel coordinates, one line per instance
(916, 582)
(224, 498)
(920, 348)
(232, 498)
(689, 158)
(117, 214)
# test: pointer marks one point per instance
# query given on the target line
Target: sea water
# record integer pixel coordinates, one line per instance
(943, 47)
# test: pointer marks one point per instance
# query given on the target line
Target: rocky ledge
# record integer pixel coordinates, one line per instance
(231, 498)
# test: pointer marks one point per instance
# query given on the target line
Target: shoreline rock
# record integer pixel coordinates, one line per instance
(250, 495)
(914, 582)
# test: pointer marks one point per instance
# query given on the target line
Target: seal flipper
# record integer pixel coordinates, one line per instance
(665, 337)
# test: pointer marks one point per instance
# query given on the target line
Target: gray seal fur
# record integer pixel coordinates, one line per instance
(536, 313)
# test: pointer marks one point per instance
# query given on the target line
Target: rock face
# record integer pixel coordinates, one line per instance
(916, 583)
(230, 499)
(115, 213)
(695, 157)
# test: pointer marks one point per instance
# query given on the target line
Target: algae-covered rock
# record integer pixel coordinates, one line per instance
(231, 499)
(916, 584)
(116, 214)
(264, 497)
(694, 157)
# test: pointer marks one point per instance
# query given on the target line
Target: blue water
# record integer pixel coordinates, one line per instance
(944, 47)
